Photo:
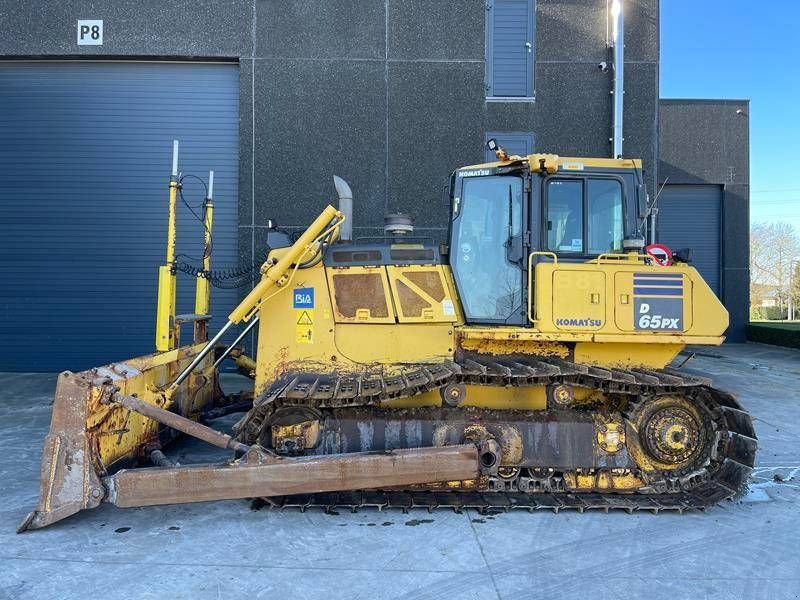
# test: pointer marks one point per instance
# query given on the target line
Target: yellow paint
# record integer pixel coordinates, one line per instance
(166, 330)
(341, 277)
(245, 363)
(554, 162)
(121, 434)
(583, 312)
(572, 291)
(166, 334)
(438, 310)
(202, 298)
(578, 295)
(279, 271)
(626, 355)
(341, 347)
(615, 479)
(485, 340)
(507, 398)
(483, 396)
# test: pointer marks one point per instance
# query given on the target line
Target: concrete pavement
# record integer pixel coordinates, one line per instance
(747, 549)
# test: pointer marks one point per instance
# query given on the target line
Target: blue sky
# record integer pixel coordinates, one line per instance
(742, 49)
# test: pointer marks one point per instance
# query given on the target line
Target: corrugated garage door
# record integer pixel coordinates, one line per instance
(84, 168)
(689, 217)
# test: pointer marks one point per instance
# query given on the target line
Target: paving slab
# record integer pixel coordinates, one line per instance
(744, 549)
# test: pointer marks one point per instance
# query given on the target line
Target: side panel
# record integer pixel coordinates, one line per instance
(672, 303)
(360, 295)
(650, 300)
(325, 333)
(579, 299)
(421, 294)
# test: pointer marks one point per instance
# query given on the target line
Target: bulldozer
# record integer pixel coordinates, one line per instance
(528, 363)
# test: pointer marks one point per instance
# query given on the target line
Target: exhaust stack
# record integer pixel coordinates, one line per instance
(618, 86)
(345, 207)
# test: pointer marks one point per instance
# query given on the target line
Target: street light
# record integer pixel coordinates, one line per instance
(616, 11)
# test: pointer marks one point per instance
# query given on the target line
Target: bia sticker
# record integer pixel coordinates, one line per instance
(303, 297)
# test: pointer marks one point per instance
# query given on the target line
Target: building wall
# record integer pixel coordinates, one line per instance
(708, 142)
(388, 94)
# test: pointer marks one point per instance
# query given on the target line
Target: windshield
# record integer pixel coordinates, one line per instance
(489, 216)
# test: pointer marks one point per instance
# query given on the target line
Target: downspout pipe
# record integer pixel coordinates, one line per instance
(345, 207)
(618, 86)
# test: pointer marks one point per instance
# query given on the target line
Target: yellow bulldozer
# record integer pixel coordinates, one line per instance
(525, 364)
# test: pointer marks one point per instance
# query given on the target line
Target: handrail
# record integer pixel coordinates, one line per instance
(530, 279)
(612, 257)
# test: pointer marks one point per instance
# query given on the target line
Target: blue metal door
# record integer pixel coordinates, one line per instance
(689, 216)
(84, 168)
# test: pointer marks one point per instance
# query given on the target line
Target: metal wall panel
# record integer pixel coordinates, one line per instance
(689, 216)
(510, 39)
(84, 167)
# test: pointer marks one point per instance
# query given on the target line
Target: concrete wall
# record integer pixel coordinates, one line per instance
(708, 142)
(388, 94)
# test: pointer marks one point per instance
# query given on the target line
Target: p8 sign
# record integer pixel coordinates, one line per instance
(90, 32)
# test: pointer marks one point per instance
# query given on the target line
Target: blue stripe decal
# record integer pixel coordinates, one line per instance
(660, 275)
(664, 282)
(652, 291)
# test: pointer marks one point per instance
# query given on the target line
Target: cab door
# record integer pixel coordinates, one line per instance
(487, 247)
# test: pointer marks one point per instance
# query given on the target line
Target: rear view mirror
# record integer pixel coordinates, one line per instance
(641, 200)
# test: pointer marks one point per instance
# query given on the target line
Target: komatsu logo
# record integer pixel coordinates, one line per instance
(474, 173)
(579, 322)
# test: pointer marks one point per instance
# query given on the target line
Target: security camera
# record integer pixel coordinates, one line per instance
(603, 66)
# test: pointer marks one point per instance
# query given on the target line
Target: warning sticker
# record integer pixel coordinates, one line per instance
(304, 326)
(448, 308)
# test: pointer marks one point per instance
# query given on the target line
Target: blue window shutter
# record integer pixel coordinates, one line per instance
(509, 60)
(512, 142)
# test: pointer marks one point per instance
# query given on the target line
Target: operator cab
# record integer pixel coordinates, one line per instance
(501, 212)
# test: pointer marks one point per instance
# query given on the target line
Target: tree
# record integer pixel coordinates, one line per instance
(774, 250)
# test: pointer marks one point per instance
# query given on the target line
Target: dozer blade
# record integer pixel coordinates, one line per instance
(106, 418)
(89, 438)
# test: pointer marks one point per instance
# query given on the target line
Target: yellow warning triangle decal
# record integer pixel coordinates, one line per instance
(305, 319)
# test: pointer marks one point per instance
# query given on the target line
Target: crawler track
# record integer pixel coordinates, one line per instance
(723, 473)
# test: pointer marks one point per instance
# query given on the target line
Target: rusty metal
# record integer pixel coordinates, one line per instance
(179, 423)
(87, 438)
(560, 395)
(74, 477)
(259, 475)
(454, 394)
(159, 459)
(68, 481)
(697, 484)
(558, 439)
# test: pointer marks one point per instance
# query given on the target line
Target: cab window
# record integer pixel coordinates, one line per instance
(584, 216)
(565, 216)
(605, 215)
(489, 218)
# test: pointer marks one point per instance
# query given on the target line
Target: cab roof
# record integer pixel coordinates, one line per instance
(553, 163)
